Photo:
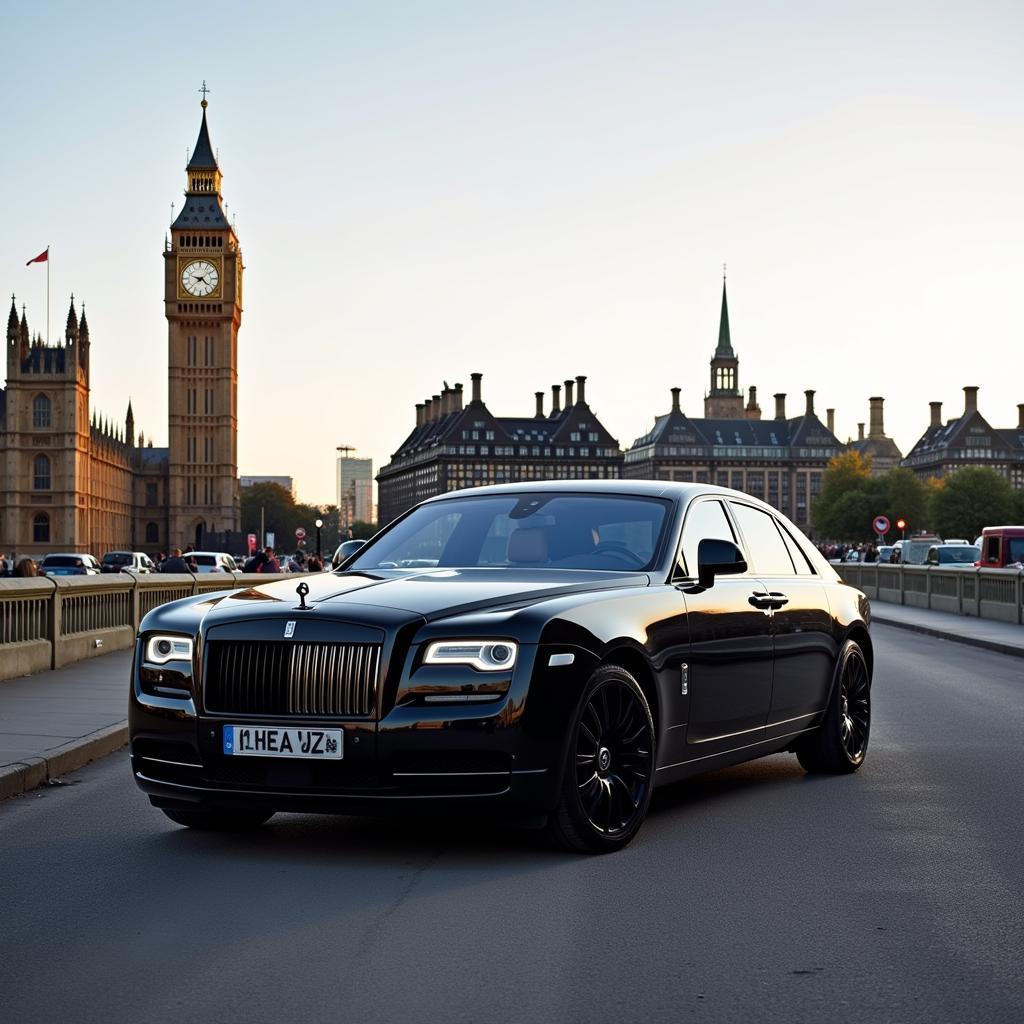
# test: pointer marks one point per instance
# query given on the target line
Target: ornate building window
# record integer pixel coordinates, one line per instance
(151, 496)
(42, 411)
(41, 529)
(41, 473)
(152, 533)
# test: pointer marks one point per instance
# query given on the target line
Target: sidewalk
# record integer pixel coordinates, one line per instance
(54, 722)
(1003, 637)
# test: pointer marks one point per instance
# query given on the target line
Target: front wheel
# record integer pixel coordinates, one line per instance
(838, 746)
(609, 773)
(218, 819)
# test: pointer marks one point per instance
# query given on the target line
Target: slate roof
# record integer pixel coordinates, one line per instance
(201, 211)
(724, 350)
(203, 157)
(676, 428)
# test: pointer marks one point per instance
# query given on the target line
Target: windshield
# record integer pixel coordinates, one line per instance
(1016, 553)
(963, 556)
(65, 560)
(205, 559)
(536, 531)
(916, 551)
(117, 558)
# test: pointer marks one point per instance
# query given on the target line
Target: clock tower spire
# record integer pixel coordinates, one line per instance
(203, 305)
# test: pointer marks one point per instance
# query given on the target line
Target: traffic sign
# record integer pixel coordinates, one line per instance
(881, 524)
(300, 533)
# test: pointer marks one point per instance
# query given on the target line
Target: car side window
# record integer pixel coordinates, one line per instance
(766, 549)
(704, 519)
(796, 552)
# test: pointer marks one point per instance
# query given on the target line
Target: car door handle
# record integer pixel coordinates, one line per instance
(778, 600)
(762, 601)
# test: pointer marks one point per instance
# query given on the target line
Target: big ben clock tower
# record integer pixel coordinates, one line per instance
(203, 305)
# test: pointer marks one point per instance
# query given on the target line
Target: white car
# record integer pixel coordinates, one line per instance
(211, 561)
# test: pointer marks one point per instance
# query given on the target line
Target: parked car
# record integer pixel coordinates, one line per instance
(1002, 546)
(346, 549)
(953, 556)
(574, 644)
(127, 561)
(211, 561)
(69, 564)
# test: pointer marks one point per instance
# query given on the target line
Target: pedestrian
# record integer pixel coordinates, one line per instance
(175, 563)
(5, 569)
(313, 564)
(25, 567)
(270, 562)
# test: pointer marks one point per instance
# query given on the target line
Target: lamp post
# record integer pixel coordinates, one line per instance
(319, 523)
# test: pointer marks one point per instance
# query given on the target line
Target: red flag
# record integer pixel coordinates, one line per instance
(41, 258)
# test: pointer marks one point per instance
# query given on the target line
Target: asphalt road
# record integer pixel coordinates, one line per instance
(753, 893)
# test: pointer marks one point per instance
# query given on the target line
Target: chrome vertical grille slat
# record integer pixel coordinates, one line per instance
(301, 679)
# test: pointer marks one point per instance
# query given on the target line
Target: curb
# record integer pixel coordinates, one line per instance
(23, 776)
(989, 645)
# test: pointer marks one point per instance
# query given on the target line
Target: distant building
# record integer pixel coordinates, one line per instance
(876, 447)
(286, 482)
(969, 440)
(355, 490)
(779, 460)
(452, 446)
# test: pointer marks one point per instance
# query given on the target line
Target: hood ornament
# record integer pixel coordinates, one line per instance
(302, 590)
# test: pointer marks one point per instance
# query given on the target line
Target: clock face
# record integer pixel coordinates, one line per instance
(200, 278)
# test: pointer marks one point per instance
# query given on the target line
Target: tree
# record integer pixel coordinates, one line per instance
(282, 515)
(846, 472)
(970, 499)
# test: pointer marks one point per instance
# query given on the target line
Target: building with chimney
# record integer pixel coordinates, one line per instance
(780, 460)
(968, 440)
(454, 445)
(877, 449)
(74, 480)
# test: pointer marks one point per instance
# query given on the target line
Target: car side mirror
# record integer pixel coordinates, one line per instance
(718, 558)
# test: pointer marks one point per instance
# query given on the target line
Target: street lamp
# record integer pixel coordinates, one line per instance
(318, 524)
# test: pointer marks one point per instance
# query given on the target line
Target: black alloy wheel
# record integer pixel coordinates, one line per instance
(609, 775)
(840, 744)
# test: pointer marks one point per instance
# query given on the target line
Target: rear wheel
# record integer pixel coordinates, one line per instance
(218, 819)
(609, 774)
(840, 744)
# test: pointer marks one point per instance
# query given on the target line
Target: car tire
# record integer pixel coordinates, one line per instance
(839, 745)
(218, 819)
(609, 770)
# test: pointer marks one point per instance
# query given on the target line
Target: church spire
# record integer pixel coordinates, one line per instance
(71, 331)
(12, 323)
(724, 350)
(202, 170)
(129, 425)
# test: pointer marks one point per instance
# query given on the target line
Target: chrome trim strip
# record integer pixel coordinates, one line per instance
(557, 660)
(432, 775)
(161, 760)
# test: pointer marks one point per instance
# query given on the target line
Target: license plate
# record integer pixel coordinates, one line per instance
(281, 741)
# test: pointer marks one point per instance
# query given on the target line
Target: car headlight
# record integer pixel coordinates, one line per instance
(484, 655)
(162, 649)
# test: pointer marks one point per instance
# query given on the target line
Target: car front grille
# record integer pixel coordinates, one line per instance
(307, 679)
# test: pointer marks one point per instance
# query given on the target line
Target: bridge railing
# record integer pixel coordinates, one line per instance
(50, 621)
(983, 593)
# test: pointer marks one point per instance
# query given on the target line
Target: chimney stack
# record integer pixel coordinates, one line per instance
(419, 414)
(569, 403)
(860, 431)
(810, 403)
(436, 407)
(780, 406)
(446, 400)
(753, 410)
(675, 399)
(556, 399)
(476, 378)
(458, 398)
(936, 408)
(428, 411)
(1020, 416)
(539, 395)
(581, 395)
(830, 420)
(970, 400)
(877, 428)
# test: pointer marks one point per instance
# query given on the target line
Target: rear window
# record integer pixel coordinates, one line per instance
(204, 559)
(117, 558)
(959, 556)
(65, 560)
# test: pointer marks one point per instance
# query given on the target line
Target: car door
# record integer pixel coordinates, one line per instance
(804, 641)
(730, 667)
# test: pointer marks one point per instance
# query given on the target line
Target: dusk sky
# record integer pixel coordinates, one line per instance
(533, 191)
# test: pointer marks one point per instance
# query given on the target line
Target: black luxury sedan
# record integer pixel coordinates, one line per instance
(548, 651)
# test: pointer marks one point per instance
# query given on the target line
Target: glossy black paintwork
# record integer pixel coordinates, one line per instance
(756, 676)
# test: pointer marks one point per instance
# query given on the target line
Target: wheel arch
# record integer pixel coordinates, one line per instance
(637, 665)
(858, 632)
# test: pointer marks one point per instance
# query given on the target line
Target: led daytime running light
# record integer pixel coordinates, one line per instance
(483, 655)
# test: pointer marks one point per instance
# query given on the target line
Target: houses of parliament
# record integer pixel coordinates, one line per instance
(72, 480)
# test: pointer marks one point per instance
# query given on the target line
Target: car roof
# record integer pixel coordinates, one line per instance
(672, 489)
(1009, 531)
(185, 554)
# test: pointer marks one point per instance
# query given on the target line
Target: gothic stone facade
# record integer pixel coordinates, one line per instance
(72, 481)
(454, 446)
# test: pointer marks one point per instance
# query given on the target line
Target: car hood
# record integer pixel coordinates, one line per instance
(429, 594)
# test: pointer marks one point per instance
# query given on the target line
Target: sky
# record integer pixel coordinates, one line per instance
(532, 191)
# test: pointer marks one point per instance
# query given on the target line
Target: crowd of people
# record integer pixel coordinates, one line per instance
(17, 566)
(865, 552)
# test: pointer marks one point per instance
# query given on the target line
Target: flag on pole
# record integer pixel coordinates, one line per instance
(43, 257)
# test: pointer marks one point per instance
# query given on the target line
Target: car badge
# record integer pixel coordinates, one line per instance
(302, 590)
(289, 629)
